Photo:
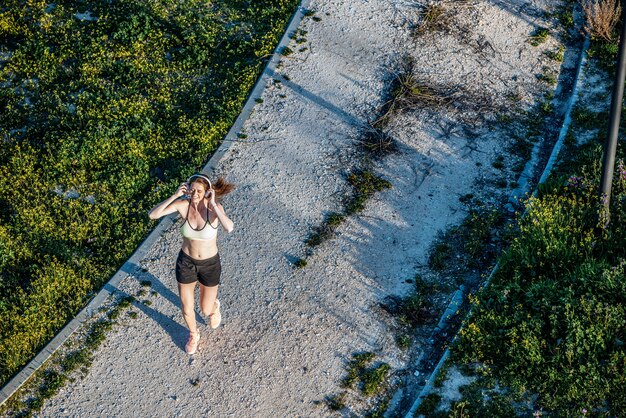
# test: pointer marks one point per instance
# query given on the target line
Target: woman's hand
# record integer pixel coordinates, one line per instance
(212, 202)
(169, 205)
(182, 190)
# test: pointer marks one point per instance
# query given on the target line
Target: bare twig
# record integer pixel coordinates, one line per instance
(602, 16)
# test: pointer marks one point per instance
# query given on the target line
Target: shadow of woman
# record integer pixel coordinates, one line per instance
(178, 332)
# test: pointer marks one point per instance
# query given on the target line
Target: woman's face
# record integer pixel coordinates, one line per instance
(196, 191)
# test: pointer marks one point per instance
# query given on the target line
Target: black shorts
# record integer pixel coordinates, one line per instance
(207, 271)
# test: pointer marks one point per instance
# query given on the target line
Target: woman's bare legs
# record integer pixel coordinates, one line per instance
(185, 290)
(208, 295)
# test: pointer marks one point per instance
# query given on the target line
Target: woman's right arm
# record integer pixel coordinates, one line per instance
(169, 205)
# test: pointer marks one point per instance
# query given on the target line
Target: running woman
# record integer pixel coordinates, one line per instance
(197, 202)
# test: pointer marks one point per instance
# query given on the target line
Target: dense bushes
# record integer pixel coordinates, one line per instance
(551, 323)
(106, 105)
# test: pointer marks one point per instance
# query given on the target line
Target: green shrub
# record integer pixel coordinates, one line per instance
(374, 379)
(551, 321)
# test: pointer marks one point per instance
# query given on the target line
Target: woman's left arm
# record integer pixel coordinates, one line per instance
(221, 215)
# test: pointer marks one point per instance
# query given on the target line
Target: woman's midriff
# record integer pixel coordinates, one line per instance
(200, 250)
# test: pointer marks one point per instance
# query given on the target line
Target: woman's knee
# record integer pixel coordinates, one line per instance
(188, 312)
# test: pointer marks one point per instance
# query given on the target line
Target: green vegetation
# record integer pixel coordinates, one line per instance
(548, 77)
(336, 402)
(539, 36)
(300, 263)
(557, 55)
(549, 328)
(546, 337)
(415, 309)
(473, 243)
(370, 380)
(403, 341)
(106, 106)
(364, 184)
(429, 404)
(483, 399)
(356, 367)
(433, 18)
(550, 323)
(499, 162)
(374, 378)
(605, 54)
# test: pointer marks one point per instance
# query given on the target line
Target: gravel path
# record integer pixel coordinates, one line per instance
(288, 333)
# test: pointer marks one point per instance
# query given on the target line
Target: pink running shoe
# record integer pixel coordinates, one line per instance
(216, 316)
(192, 343)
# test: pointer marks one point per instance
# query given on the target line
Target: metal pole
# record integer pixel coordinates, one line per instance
(608, 160)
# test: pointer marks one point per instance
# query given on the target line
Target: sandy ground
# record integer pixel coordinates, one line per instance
(288, 333)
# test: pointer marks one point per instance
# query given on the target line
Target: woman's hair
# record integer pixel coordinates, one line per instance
(221, 186)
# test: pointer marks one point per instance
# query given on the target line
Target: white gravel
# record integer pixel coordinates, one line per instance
(288, 333)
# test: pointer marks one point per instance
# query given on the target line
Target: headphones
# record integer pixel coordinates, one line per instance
(202, 176)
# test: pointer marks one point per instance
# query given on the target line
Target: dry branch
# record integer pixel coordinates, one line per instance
(601, 16)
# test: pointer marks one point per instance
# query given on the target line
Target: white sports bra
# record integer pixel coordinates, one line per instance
(206, 233)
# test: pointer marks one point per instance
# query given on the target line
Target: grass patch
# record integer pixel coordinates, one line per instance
(565, 16)
(499, 162)
(336, 402)
(546, 107)
(547, 77)
(403, 341)
(375, 141)
(370, 378)
(539, 36)
(415, 309)
(356, 367)
(440, 256)
(364, 184)
(407, 91)
(433, 18)
(379, 410)
(557, 55)
(429, 404)
(501, 183)
(374, 379)
(473, 244)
